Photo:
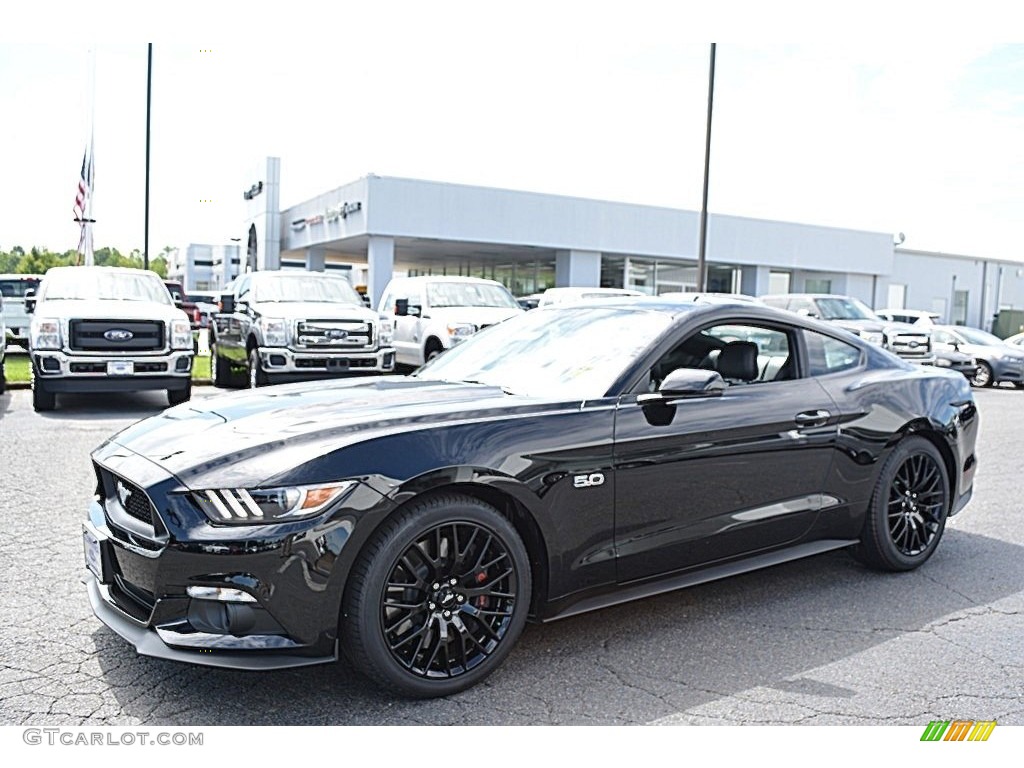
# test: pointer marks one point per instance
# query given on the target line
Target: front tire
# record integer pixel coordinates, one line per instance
(437, 598)
(257, 378)
(908, 509)
(983, 376)
(179, 396)
(42, 400)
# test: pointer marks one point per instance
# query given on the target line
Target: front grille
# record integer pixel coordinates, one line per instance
(910, 345)
(133, 500)
(116, 335)
(334, 334)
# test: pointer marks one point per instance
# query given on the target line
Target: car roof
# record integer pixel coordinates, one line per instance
(98, 268)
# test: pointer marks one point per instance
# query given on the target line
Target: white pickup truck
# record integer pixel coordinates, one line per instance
(107, 329)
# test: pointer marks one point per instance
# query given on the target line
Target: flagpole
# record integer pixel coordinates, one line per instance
(89, 255)
(149, 99)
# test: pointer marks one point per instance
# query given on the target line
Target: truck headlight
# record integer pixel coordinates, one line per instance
(460, 331)
(874, 337)
(260, 506)
(386, 332)
(275, 332)
(44, 333)
(181, 334)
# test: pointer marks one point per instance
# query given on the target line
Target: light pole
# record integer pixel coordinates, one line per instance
(149, 99)
(702, 276)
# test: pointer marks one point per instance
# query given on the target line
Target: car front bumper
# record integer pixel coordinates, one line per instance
(60, 371)
(282, 363)
(1006, 370)
(279, 586)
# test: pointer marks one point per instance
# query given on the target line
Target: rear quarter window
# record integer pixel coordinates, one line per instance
(827, 355)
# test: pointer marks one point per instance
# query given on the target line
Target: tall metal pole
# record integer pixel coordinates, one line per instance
(149, 100)
(702, 277)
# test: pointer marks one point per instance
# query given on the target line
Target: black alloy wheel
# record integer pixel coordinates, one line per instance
(908, 510)
(437, 600)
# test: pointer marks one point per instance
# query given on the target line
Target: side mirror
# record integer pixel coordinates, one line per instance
(30, 300)
(227, 303)
(685, 384)
(401, 307)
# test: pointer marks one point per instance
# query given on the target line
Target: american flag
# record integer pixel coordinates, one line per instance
(85, 181)
(83, 205)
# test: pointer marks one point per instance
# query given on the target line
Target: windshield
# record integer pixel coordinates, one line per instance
(575, 353)
(469, 295)
(305, 288)
(83, 283)
(15, 289)
(974, 336)
(844, 309)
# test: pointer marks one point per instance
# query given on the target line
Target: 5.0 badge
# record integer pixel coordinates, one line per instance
(588, 481)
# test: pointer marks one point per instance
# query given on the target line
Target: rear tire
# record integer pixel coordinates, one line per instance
(437, 598)
(221, 369)
(908, 509)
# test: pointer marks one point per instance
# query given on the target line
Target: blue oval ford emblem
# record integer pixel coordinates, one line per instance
(118, 334)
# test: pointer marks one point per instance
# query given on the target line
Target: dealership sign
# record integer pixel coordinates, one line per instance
(335, 212)
(252, 191)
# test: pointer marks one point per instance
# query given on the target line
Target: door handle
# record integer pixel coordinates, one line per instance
(812, 418)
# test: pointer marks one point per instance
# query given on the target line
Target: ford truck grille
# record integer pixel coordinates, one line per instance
(116, 335)
(910, 345)
(350, 335)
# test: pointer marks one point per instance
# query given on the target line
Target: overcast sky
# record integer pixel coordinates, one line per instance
(594, 100)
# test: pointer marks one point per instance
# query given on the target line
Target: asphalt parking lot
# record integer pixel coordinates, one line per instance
(822, 641)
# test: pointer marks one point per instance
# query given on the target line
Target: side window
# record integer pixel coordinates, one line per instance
(827, 355)
(741, 353)
(243, 289)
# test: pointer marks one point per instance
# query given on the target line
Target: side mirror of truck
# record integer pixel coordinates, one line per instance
(30, 300)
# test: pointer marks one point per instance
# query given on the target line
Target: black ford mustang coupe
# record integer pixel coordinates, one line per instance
(565, 460)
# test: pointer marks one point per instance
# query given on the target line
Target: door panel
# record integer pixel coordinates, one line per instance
(729, 475)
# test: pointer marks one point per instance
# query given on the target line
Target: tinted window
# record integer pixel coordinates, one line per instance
(706, 348)
(827, 355)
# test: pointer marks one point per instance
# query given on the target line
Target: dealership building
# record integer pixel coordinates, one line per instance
(376, 227)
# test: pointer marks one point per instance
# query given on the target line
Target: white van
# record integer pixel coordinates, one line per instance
(432, 313)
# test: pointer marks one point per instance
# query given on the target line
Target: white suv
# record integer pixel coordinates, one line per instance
(433, 313)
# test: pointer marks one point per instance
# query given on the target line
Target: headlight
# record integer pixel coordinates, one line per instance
(386, 332)
(942, 362)
(460, 331)
(259, 506)
(44, 333)
(275, 332)
(874, 337)
(181, 334)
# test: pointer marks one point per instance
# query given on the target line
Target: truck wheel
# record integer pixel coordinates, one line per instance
(178, 396)
(257, 378)
(221, 368)
(3, 379)
(41, 399)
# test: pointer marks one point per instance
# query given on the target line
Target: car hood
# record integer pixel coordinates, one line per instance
(109, 309)
(476, 315)
(320, 310)
(247, 438)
